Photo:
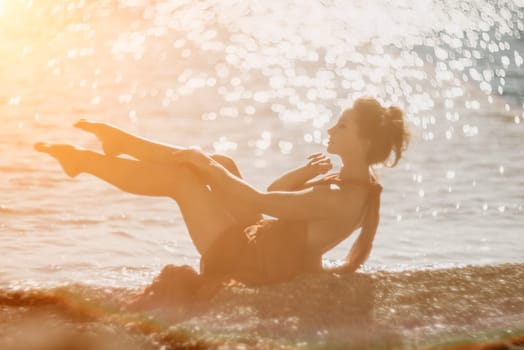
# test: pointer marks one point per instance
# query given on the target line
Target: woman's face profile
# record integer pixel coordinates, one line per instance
(344, 137)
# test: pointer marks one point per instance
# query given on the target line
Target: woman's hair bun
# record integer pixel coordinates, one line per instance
(398, 133)
(384, 127)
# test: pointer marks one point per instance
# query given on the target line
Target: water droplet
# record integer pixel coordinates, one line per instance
(235, 81)
(228, 112)
(261, 96)
(250, 110)
(133, 117)
(518, 59)
(317, 136)
(285, 147)
(15, 100)
(179, 43)
(308, 137)
(470, 130)
(486, 87)
(264, 142)
(223, 145)
(417, 178)
(429, 136)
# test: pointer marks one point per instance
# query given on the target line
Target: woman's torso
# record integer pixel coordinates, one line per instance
(322, 235)
(274, 250)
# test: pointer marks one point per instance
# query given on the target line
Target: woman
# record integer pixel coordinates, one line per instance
(223, 214)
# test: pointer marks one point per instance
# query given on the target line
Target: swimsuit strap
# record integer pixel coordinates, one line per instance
(324, 180)
(373, 186)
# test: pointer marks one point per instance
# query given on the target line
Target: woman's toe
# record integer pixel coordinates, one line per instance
(86, 125)
(42, 146)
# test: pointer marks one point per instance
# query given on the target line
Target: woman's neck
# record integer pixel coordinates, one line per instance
(354, 170)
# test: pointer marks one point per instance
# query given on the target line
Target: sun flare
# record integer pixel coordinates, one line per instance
(11, 11)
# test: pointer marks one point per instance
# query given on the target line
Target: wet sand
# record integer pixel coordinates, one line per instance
(476, 307)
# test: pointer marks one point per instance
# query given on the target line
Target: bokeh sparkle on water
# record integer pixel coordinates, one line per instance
(260, 81)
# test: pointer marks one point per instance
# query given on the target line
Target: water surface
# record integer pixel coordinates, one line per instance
(261, 82)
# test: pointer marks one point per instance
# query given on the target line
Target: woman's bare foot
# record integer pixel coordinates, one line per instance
(109, 136)
(65, 154)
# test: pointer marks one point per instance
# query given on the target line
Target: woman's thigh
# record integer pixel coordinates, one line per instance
(205, 214)
(244, 213)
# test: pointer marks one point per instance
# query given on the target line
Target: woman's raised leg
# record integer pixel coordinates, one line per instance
(116, 141)
(205, 214)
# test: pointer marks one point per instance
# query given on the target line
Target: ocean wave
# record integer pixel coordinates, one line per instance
(122, 234)
(80, 221)
(425, 308)
(16, 169)
(25, 211)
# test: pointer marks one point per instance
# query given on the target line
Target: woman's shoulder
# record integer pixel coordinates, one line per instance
(323, 181)
(355, 187)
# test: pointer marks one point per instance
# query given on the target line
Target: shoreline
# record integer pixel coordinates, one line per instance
(458, 308)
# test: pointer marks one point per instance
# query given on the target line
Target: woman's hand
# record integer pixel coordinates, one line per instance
(318, 164)
(193, 156)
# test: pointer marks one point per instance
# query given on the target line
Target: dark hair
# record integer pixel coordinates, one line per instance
(386, 131)
(384, 127)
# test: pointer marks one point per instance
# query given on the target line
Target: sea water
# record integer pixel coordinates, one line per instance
(260, 82)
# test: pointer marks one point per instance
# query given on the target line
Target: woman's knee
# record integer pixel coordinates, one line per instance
(182, 179)
(227, 162)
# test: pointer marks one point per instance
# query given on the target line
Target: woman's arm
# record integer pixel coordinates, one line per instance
(310, 204)
(318, 164)
(313, 203)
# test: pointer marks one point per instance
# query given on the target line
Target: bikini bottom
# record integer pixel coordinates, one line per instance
(269, 251)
